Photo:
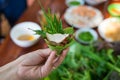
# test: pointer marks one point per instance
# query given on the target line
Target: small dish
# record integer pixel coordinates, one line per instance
(109, 29)
(114, 9)
(86, 35)
(83, 16)
(94, 2)
(70, 3)
(22, 36)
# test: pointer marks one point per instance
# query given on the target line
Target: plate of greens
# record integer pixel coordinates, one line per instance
(86, 35)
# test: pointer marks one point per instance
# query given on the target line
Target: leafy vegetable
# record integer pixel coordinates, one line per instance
(58, 48)
(41, 32)
(68, 30)
(53, 25)
(86, 36)
(87, 63)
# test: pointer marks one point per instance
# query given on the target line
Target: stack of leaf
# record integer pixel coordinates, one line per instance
(55, 36)
(87, 63)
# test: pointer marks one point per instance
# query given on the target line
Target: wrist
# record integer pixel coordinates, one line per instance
(9, 72)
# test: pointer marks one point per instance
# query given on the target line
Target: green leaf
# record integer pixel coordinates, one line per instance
(53, 24)
(111, 66)
(86, 75)
(40, 32)
(59, 49)
(69, 30)
(110, 55)
(46, 78)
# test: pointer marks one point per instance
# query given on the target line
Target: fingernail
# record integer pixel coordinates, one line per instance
(53, 52)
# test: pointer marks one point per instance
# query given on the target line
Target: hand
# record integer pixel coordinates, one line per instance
(37, 64)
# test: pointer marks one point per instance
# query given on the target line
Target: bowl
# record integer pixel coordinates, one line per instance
(83, 16)
(94, 2)
(109, 29)
(86, 35)
(114, 9)
(22, 34)
(70, 3)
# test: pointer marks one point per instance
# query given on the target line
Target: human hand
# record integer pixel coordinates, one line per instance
(36, 65)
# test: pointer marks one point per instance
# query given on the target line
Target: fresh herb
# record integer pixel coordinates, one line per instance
(41, 32)
(53, 26)
(74, 3)
(87, 63)
(86, 36)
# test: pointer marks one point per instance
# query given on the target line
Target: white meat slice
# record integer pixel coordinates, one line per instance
(58, 38)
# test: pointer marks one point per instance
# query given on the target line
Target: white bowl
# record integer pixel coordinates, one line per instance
(24, 29)
(80, 21)
(68, 1)
(94, 2)
(107, 27)
(93, 33)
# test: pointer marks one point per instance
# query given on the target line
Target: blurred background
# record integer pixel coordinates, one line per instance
(10, 11)
(94, 61)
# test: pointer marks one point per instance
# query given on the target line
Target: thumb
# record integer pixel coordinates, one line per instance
(35, 57)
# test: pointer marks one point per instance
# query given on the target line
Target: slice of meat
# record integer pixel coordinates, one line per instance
(58, 38)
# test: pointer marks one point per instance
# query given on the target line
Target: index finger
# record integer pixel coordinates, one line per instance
(45, 52)
(61, 58)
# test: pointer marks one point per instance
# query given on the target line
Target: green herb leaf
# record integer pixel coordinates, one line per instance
(40, 32)
(53, 25)
(69, 30)
(59, 48)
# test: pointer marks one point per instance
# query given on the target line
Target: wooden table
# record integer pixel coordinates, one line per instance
(9, 51)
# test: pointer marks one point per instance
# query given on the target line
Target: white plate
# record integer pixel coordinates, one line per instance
(74, 19)
(22, 29)
(104, 27)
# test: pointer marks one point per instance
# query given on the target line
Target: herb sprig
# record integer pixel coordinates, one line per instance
(53, 25)
(88, 63)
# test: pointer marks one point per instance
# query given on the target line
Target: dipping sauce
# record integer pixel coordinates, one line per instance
(26, 37)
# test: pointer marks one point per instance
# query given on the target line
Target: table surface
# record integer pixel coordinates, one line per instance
(9, 51)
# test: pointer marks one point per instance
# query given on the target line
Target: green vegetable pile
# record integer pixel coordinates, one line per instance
(86, 36)
(53, 25)
(87, 63)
